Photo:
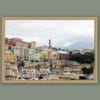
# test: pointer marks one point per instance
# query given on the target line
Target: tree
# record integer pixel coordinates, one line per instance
(87, 70)
(83, 58)
(21, 64)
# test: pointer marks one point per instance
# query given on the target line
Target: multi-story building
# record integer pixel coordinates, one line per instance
(34, 55)
(9, 57)
(33, 44)
(83, 51)
(21, 50)
(62, 55)
(75, 51)
(44, 51)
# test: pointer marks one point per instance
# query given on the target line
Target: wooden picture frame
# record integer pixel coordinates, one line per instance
(11, 74)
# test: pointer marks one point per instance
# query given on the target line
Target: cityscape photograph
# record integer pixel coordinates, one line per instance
(40, 50)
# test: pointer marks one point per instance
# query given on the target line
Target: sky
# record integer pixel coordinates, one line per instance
(62, 33)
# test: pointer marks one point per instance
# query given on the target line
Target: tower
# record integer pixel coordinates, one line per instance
(50, 43)
(50, 59)
(33, 44)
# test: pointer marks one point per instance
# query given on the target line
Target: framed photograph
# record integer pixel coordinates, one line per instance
(49, 49)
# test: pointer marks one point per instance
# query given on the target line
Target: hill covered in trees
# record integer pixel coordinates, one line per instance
(82, 58)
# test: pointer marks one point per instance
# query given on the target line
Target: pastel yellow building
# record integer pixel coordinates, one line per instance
(10, 57)
(33, 44)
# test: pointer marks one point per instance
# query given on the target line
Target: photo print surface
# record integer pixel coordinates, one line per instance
(49, 50)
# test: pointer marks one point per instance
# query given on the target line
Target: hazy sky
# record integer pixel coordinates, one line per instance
(61, 32)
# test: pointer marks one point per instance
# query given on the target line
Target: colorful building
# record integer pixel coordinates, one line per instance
(9, 57)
